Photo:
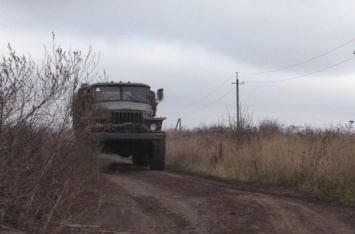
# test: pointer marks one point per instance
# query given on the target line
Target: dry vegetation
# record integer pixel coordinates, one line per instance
(319, 160)
(44, 170)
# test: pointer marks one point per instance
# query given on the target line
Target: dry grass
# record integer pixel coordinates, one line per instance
(320, 160)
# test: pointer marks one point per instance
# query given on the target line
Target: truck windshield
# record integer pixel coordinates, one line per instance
(138, 94)
(119, 93)
(107, 93)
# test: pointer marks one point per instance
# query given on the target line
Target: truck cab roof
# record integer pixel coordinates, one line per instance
(120, 84)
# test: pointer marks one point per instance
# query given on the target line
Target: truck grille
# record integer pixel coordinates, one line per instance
(121, 117)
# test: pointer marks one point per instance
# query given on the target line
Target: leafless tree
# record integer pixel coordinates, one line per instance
(43, 167)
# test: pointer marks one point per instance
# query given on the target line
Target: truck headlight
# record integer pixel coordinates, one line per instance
(153, 127)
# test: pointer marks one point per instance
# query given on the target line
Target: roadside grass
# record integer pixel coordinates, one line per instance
(318, 160)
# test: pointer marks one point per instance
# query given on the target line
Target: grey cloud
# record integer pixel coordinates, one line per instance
(214, 39)
(266, 34)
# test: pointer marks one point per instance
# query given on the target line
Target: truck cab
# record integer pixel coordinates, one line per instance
(122, 115)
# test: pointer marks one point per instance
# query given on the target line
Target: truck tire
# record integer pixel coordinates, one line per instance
(157, 156)
(141, 160)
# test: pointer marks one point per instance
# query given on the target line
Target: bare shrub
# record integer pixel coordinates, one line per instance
(270, 127)
(44, 169)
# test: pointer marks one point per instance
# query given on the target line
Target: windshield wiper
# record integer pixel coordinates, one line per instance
(131, 97)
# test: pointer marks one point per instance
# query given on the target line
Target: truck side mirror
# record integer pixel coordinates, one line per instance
(160, 95)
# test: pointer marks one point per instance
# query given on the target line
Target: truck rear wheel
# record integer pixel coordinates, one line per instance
(157, 156)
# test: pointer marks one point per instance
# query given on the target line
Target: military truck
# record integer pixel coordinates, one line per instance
(122, 116)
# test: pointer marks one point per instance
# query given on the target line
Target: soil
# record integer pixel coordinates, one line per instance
(141, 201)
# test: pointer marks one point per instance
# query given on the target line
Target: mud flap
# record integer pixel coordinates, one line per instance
(157, 156)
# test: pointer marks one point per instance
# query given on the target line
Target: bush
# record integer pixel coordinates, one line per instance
(44, 169)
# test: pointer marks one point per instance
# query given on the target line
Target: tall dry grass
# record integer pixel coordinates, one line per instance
(316, 159)
(44, 170)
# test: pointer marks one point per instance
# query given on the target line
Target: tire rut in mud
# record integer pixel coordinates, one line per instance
(165, 219)
(142, 201)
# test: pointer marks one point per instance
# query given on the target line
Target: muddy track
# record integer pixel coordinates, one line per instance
(142, 201)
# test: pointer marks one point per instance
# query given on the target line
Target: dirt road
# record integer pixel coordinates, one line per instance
(142, 201)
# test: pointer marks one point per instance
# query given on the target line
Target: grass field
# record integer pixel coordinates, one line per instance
(319, 160)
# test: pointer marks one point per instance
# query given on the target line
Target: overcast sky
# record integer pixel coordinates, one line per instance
(194, 48)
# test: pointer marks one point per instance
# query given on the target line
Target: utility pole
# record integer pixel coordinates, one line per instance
(237, 97)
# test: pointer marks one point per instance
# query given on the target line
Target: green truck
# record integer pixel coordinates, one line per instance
(122, 116)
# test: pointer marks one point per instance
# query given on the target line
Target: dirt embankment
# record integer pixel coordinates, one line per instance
(143, 201)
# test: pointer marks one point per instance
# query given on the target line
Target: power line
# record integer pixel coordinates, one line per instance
(301, 76)
(208, 94)
(208, 105)
(300, 63)
(274, 81)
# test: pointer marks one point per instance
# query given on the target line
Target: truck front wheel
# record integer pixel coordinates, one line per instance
(157, 156)
(141, 160)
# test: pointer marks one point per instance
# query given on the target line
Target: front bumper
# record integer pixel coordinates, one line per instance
(130, 136)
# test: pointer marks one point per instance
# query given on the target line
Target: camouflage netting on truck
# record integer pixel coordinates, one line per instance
(120, 128)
